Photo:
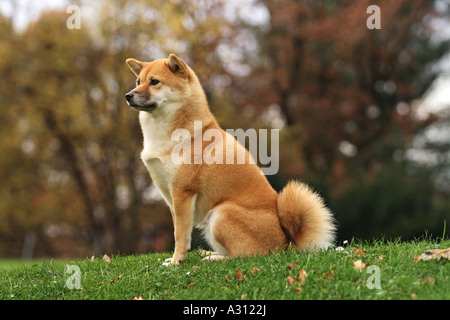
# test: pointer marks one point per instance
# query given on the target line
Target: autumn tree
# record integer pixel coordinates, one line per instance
(81, 140)
(349, 98)
(345, 98)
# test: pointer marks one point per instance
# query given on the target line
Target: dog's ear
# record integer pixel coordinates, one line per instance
(135, 65)
(178, 66)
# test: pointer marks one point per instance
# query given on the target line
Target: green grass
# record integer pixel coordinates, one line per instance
(330, 275)
(13, 264)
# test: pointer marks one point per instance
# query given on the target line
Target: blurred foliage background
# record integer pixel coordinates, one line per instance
(354, 107)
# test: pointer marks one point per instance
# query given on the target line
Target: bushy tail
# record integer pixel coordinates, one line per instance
(304, 218)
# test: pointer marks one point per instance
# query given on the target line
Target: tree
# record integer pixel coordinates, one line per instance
(84, 140)
(348, 94)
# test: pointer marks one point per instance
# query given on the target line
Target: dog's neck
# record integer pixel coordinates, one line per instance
(157, 126)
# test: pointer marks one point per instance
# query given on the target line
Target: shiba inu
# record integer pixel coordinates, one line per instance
(234, 205)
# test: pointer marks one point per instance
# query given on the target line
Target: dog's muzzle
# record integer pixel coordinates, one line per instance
(136, 102)
(129, 96)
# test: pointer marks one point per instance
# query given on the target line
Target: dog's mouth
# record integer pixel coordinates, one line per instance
(140, 101)
(145, 107)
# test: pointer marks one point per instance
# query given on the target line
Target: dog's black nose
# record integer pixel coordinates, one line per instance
(129, 96)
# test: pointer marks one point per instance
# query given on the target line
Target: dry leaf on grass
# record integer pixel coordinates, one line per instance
(239, 276)
(436, 254)
(302, 275)
(254, 270)
(292, 279)
(292, 266)
(358, 265)
(138, 298)
(300, 280)
(428, 279)
(116, 279)
(359, 252)
(328, 275)
(107, 259)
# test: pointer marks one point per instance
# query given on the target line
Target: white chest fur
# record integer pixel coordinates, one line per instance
(161, 173)
(156, 153)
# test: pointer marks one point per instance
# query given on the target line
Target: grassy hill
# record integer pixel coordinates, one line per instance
(380, 270)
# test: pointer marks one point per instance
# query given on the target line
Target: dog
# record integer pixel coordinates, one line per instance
(234, 206)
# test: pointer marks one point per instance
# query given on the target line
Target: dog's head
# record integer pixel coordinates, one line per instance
(159, 83)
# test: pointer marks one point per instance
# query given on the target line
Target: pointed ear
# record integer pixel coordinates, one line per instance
(135, 65)
(178, 66)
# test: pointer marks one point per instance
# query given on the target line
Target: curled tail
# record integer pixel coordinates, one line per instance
(304, 217)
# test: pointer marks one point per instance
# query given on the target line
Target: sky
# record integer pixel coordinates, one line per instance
(26, 10)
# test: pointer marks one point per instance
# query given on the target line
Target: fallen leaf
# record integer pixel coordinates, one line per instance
(239, 276)
(302, 275)
(358, 265)
(254, 270)
(300, 280)
(292, 265)
(413, 296)
(291, 280)
(428, 279)
(436, 254)
(190, 283)
(115, 279)
(359, 252)
(106, 259)
(138, 298)
(298, 289)
(328, 275)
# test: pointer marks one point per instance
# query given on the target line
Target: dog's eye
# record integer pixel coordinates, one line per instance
(154, 82)
(138, 81)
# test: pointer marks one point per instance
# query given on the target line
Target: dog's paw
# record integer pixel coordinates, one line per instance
(171, 262)
(167, 262)
(215, 257)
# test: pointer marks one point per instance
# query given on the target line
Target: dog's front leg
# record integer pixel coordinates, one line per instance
(182, 220)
